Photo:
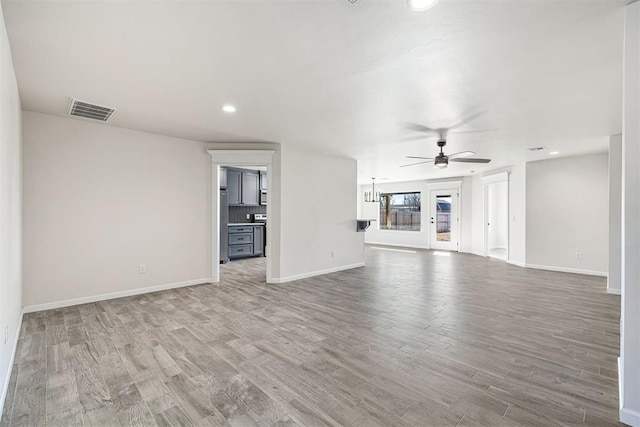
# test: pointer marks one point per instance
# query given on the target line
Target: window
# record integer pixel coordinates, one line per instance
(400, 211)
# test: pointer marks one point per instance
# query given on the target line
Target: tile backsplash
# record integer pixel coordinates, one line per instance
(238, 214)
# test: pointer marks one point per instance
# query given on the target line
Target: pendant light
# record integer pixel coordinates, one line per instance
(372, 196)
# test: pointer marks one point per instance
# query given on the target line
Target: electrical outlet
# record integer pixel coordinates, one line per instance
(578, 255)
(248, 216)
(142, 269)
(333, 254)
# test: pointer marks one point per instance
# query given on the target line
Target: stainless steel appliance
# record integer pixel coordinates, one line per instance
(261, 218)
(224, 229)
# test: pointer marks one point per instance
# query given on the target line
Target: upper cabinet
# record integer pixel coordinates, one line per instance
(222, 178)
(243, 187)
(263, 180)
(250, 188)
(234, 187)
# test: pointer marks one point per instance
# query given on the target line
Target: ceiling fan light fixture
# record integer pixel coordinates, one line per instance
(421, 5)
(441, 162)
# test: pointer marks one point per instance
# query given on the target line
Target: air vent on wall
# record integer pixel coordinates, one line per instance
(352, 1)
(537, 148)
(90, 111)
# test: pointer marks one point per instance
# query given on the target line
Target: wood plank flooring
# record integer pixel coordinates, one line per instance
(411, 339)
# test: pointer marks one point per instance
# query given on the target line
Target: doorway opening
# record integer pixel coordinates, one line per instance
(497, 220)
(241, 230)
(444, 219)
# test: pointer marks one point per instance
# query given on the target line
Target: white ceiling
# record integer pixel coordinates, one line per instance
(335, 77)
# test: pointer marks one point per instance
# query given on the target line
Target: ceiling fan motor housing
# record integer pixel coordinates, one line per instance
(441, 161)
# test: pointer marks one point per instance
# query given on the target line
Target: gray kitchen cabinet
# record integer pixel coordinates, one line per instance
(263, 180)
(234, 187)
(243, 187)
(250, 188)
(258, 240)
(222, 178)
(246, 240)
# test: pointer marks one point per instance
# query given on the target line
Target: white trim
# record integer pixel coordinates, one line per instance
(567, 270)
(630, 417)
(614, 291)
(316, 273)
(5, 388)
(443, 185)
(112, 295)
(496, 177)
(399, 245)
(242, 157)
(620, 383)
(518, 263)
(248, 157)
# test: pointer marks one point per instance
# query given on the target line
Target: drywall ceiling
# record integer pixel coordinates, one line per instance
(333, 76)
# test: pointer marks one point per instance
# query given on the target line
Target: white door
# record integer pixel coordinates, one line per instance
(444, 219)
(497, 220)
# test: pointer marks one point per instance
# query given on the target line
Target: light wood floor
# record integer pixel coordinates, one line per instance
(411, 339)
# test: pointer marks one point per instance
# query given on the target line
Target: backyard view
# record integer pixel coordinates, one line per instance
(400, 211)
(443, 218)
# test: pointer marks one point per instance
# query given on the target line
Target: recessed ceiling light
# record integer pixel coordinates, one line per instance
(421, 5)
(553, 153)
(229, 108)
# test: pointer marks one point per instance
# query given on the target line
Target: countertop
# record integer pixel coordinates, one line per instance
(244, 223)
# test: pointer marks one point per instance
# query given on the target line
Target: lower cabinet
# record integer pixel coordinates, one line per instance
(246, 240)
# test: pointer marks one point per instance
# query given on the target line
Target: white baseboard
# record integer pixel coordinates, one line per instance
(518, 263)
(630, 417)
(398, 245)
(112, 295)
(12, 359)
(614, 291)
(567, 270)
(315, 273)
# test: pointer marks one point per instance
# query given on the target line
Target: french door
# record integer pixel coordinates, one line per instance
(443, 211)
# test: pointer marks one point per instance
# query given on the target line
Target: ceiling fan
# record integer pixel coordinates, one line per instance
(442, 160)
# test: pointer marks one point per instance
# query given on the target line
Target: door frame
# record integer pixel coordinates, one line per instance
(489, 180)
(455, 188)
(239, 158)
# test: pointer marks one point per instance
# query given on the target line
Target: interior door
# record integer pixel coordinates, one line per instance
(444, 219)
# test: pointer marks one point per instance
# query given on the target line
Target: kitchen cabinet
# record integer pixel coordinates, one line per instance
(243, 188)
(246, 240)
(250, 188)
(222, 178)
(263, 180)
(234, 187)
(258, 240)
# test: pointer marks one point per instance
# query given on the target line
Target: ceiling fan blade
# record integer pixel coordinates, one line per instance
(467, 160)
(418, 163)
(421, 128)
(418, 157)
(466, 120)
(455, 132)
(462, 154)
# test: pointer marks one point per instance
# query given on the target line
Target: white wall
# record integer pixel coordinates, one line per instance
(99, 201)
(568, 212)
(614, 279)
(415, 239)
(319, 212)
(498, 215)
(374, 235)
(10, 212)
(629, 331)
(517, 212)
